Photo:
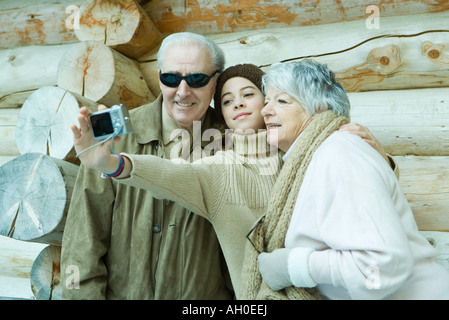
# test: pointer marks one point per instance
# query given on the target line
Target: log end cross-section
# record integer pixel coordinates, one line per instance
(35, 191)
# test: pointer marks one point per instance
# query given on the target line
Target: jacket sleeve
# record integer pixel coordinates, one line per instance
(86, 237)
(196, 186)
(367, 248)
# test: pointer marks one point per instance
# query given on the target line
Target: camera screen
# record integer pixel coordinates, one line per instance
(101, 124)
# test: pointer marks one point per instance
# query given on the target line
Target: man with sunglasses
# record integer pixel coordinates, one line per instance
(125, 243)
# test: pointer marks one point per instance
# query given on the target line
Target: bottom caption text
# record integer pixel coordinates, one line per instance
(229, 310)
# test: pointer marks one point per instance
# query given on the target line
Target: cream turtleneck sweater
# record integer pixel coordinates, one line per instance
(231, 189)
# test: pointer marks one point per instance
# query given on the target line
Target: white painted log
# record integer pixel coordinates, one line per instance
(406, 122)
(393, 63)
(29, 68)
(122, 25)
(425, 183)
(16, 261)
(8, 142)
(101, 74)
(17, 257)
(348, 49)
(45, 274)
(43, 124)
(15, 289)
(8, 119)
(35, 192)
(263, 47)
(217, 16)
(29, 23)
(15, 99)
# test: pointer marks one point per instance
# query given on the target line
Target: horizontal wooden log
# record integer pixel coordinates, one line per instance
(101, 74)
(17, 257)
(43, 124)
(122, 25)
(39, 23)
(150, 71)
(399, 55)
(35, 191)
(407, 122)
(16, 261)
(8, 119)
(216, 16)
(29, 68)
(15, 99)
(13, 288)
(425, 183)
(8, 145)
(45, 274)
(396, 62)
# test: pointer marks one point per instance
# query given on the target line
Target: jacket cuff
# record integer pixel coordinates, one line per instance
(298, 268)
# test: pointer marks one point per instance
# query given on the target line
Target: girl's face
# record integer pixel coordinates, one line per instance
(241, 105)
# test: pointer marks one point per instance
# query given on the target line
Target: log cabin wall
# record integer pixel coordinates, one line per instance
(391, 56)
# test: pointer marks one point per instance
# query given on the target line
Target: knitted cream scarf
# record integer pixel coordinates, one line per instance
(270, 233)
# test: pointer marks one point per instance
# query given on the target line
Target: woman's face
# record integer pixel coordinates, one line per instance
(284, 118)
(241, 103)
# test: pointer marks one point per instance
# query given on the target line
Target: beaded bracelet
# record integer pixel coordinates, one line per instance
(121, 166)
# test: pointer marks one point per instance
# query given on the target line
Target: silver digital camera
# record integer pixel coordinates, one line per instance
(114, 120)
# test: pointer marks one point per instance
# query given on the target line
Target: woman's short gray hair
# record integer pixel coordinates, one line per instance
(309, 82)
(217, 54)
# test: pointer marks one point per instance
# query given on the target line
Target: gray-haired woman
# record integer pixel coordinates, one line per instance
(338, 225)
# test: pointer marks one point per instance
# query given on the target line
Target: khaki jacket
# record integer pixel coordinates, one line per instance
(128, 245)
(232, 190)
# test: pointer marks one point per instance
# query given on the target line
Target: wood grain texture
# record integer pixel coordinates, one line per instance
(24, 69)
(425, 183)
(122, 25)
(43, 124)
(216, 16)
(406, 122)
(16, 260)
(8, 119)
(397, 56)
(45, 276)
(35, 191)
(99, 73)
(27, 23)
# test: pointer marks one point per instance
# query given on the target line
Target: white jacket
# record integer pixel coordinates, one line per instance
(365, 243)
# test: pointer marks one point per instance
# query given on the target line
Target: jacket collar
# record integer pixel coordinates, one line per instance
(147, 121)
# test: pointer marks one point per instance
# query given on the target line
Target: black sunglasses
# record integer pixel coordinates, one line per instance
(194, 80)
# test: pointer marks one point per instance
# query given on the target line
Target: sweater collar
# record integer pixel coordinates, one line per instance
(251, 145)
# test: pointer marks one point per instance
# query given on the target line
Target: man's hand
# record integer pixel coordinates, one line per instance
(99, 157)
